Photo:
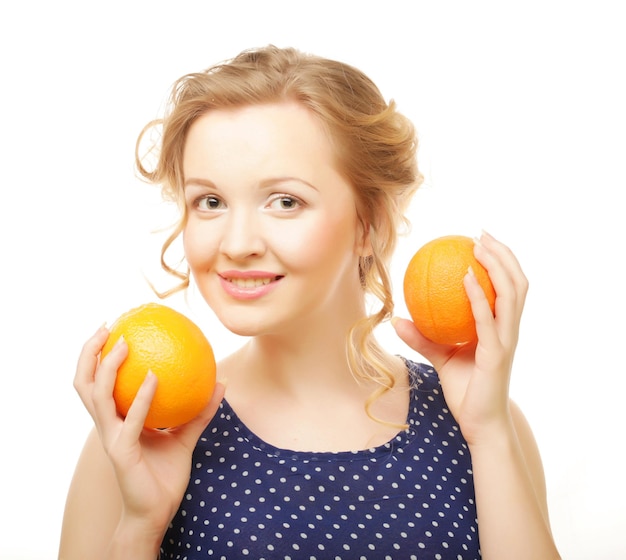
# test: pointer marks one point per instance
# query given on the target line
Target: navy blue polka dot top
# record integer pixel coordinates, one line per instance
(411, 498)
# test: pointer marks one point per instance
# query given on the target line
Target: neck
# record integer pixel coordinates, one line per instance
(299, 359)
(296, 391)
(302, 361)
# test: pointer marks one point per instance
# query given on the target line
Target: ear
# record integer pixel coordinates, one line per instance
(363, 244)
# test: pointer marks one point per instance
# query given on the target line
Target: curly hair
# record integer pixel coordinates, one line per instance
(375, 147)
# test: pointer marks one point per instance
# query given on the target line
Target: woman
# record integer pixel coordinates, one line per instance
(292, 174)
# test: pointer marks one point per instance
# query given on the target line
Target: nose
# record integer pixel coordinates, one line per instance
(241, 237)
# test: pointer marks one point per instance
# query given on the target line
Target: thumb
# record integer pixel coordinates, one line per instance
(435, 353)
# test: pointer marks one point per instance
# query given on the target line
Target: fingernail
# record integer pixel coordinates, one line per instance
(393, 321)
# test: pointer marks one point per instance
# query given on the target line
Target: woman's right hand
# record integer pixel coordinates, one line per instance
(151, 466)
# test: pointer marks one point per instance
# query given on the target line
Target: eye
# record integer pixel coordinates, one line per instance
(285, 202)
(209, 203)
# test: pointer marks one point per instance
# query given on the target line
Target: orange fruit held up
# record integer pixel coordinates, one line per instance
(434, 293)
(174, 348)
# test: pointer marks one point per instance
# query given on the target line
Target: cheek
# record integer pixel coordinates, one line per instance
(197, 246)
(317, 243)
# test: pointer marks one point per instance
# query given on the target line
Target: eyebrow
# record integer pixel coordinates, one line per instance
(199, 182)
(265, 183)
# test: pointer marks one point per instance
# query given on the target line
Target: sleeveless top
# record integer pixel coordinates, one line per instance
(411, 498)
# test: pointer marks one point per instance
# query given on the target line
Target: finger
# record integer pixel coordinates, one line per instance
(104, 382)
(138, 411)
(508, 261)
(481, 310)
(508, 282)
(87, 364)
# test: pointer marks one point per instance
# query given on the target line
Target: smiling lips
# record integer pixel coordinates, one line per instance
(248, 285)
(250, 282)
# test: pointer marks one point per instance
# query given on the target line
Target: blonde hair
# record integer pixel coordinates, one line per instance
(375, 149)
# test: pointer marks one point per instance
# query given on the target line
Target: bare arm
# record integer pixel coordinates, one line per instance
(508, 475)
(532, 457)
(93, 512)
(511, 494)
(129, 481)
(93, 505)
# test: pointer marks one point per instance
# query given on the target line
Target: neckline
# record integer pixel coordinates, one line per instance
(401, 439)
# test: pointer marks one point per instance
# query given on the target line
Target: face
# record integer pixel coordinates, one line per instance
(272, 237)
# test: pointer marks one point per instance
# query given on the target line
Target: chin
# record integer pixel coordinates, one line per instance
(245, 328)
(242, 331)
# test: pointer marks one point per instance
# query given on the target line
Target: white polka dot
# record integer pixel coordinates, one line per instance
(417, 488)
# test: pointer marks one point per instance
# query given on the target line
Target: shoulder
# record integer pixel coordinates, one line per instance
(524, 431)
(93, 463)
(530, 451)
(527, 442)
(422, 376)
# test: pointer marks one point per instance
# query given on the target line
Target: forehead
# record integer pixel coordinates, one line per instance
(285, 130)
(241, 149)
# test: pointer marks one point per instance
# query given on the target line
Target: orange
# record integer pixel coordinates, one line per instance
(434, 293)
(174, 348)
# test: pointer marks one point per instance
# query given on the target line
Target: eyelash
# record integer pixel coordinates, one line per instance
(280, 197)
(200, 201)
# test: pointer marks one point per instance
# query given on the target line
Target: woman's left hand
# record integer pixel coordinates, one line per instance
(475, 377)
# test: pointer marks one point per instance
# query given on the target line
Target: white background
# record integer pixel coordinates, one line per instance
(520, 109)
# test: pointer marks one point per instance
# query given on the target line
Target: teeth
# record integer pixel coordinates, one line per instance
(250, 282)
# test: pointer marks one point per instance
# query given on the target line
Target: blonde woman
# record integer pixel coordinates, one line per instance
(292, 174)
